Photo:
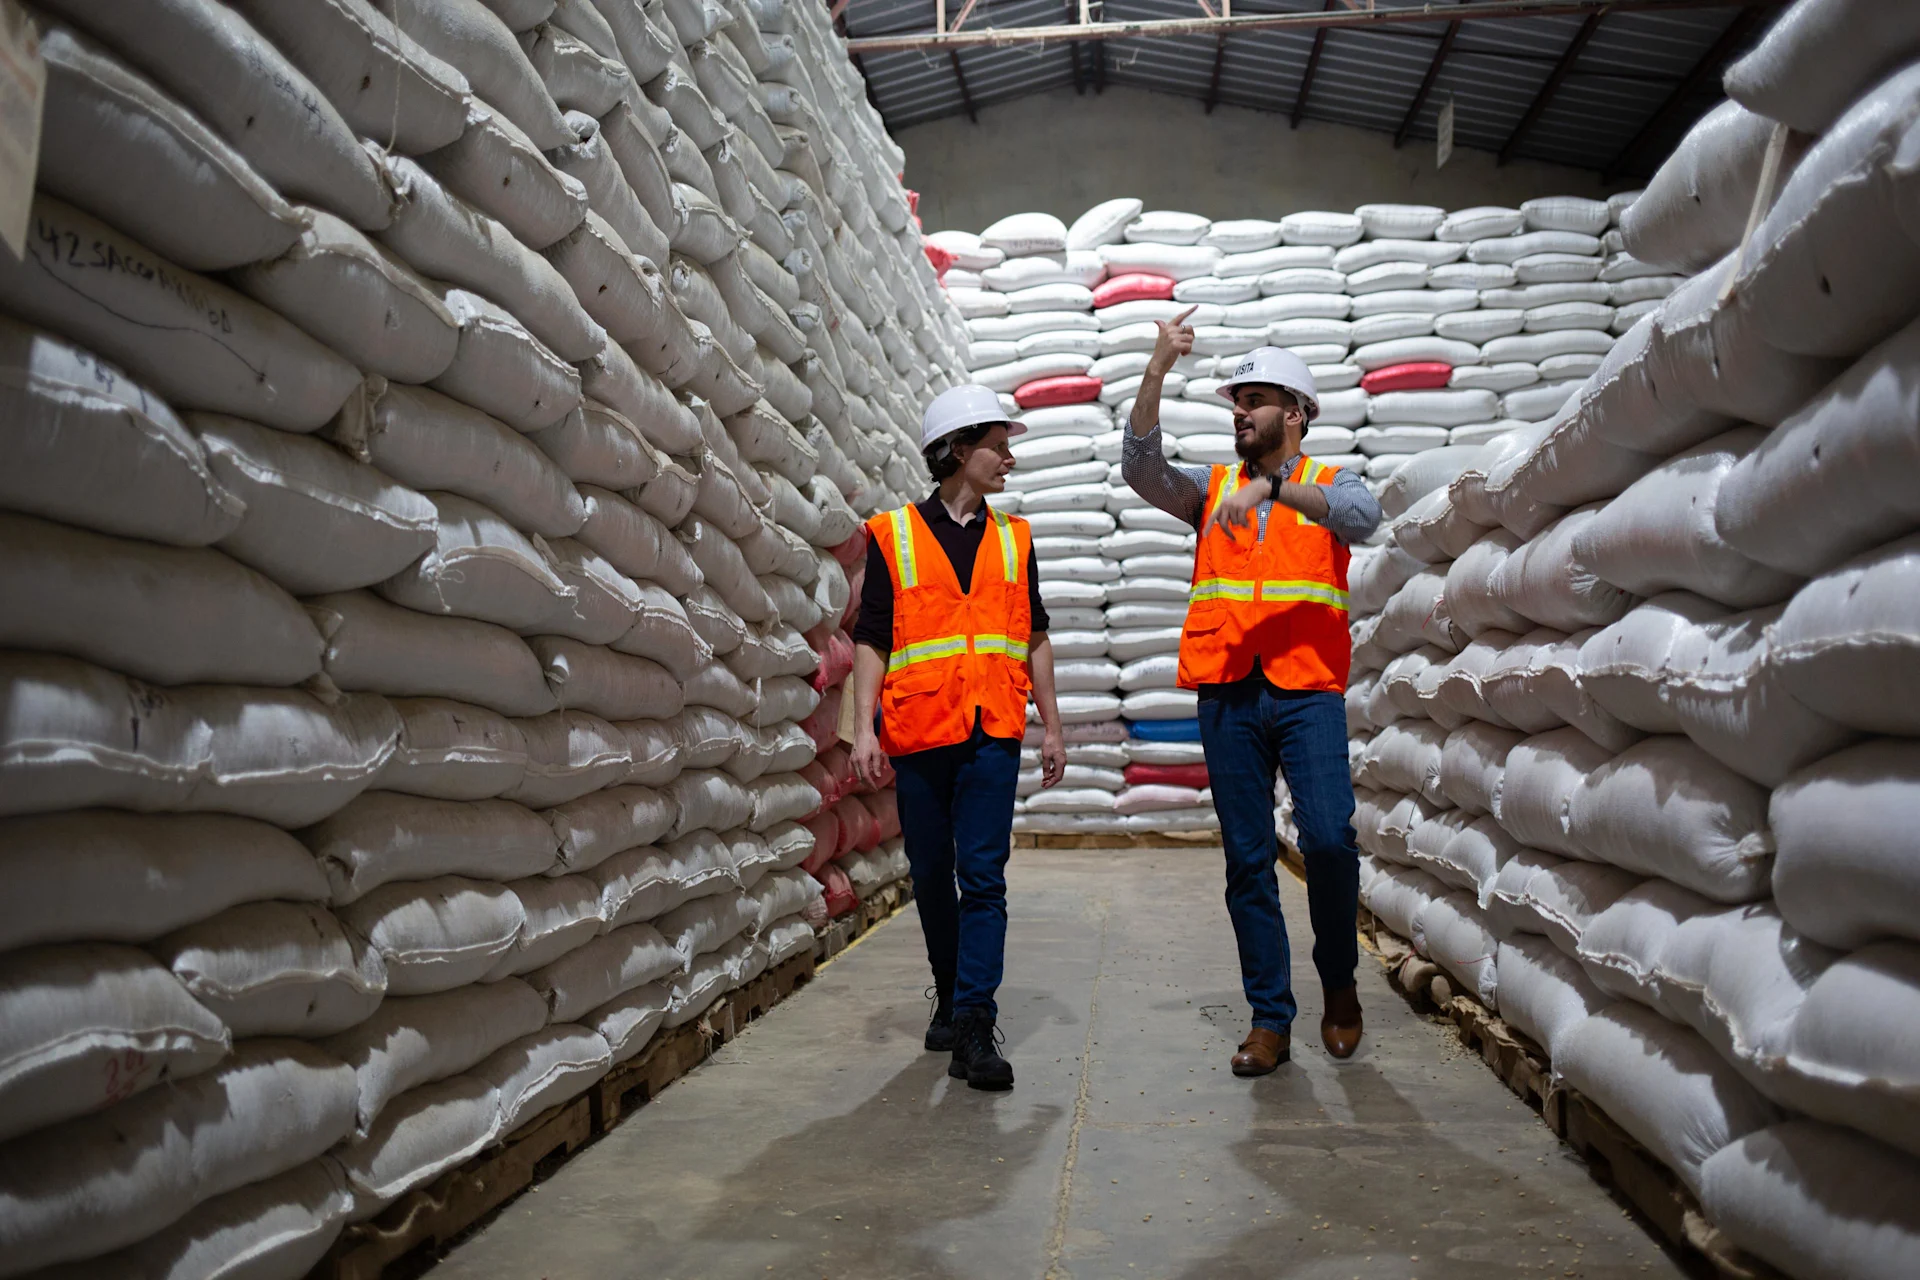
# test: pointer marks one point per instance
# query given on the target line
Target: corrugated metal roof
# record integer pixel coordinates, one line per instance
(1631, 65)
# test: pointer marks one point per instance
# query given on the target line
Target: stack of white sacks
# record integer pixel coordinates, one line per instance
(421, 452)
(1424, 329)
(1635, 701)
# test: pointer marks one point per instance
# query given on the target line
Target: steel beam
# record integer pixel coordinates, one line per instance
(1219, 59)
(1326, 19)
(966, 98)
(1555, 79)
(1426, 84)
(1731, 41)
(1306, 78)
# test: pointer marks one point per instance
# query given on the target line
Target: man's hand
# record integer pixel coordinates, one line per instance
(1238, 507)
(1175, 340)
(1053, 758)
(869, 761)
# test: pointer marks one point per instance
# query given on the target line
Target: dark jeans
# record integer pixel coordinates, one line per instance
(1252, 730)
(956, 812)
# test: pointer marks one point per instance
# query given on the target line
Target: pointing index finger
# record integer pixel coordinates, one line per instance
(1182, 317)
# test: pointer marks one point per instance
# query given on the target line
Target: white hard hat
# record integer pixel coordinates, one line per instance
(958, 408)
(1276, 367)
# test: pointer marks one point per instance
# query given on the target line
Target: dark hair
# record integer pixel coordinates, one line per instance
(941, 459)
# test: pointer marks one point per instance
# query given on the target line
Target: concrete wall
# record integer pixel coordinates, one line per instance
(1061, 153)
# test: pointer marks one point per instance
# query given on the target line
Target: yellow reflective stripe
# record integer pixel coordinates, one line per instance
(903, 549)
(1221, 589)
(1015, 649)
(928, 651)
(1009, 561)
(1308, 592)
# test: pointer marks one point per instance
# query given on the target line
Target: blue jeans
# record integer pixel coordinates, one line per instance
(1250, 731)
(956, 813)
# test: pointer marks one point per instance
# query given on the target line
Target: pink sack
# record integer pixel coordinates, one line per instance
(1047, 392)
(1133, 288)
(1421, 375)
(885, 807)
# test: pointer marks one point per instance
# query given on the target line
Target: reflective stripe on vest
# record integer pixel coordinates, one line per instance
(1009, 554)
(927, 651)
(1015, 649)
(903, 548)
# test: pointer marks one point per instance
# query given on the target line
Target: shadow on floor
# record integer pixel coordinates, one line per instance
(900, 1185)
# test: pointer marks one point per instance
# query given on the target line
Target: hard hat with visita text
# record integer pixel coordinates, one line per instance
(1276, 367)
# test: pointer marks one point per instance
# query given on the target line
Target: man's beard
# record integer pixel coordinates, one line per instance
(1262, 442)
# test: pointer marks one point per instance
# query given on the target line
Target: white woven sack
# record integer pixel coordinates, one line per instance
(1511, 249)
(1664, 1085)
(1146, 310)
(1473, 275)
(1058, 341)
(1817, 61)
(1459, 942)
(1566, 213)
(1543, 993)
(1829, 249)
(197, 342)
(1542, 775)
(1174, 262)
(1411, 438)
(1246, 235)
(1815, 1200)
(1081, 267)
(87, 1025)
(1433, 302)
(1212, 289)
(1539, 893)
(1841, 826)
(1400, 221)
(970, 254)
(1664, 807)
(1103, 224)
(1390, 325)
(1371, 254)
(1309, 280)
(1846, 633)
(978, 304)
(1163, 226)
(1283, 258)
(1480, 326)
(1022, 234)
(1073, 419)
(1863, 430)
(1379, 355)
(1659, 534)
(1383, 276)
(270, 1107)
(1318, 228)
(1479, 223)
(1441, 408)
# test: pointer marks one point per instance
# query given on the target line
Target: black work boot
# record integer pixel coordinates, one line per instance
(940, 1025)
(976, 1054)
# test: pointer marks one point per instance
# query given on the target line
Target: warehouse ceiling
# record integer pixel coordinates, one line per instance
(1603, 87)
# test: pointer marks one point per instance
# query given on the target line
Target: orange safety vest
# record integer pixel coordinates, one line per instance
(1278, 601)
(953, 650)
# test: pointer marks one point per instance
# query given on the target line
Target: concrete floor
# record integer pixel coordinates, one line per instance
(825, 1142)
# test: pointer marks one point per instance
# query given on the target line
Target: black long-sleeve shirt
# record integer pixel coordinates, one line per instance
(961, 542)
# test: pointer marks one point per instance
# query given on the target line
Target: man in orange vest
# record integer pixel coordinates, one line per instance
(951, 640)
(1266, 645)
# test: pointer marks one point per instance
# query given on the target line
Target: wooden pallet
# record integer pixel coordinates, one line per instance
(1630, 1169)
(1116, 840)
(1614, 1156)
(678, 1050)
(1514, 1057)
(412, 1232)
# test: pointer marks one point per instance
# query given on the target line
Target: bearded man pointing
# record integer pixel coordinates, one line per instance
(1267, 648)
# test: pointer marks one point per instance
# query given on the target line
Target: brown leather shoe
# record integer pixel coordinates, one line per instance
(1260, 1052)
(1340, 1025)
